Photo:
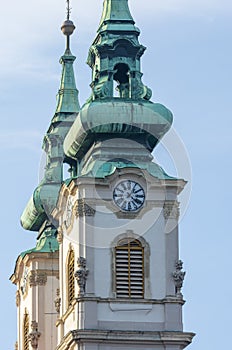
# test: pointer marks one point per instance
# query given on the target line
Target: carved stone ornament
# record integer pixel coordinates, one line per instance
(34, 335)
(178, 276)
(24, 281)
(37, 278)
(102, 89)
(59, 236)
(16, 345)
(83, 209)
(57, 301)
(81, 275)
(17, 298)
(171, 210)
(69, 209)
(139, 90)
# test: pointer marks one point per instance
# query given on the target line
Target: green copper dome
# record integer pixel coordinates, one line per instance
(119, 106)
(144, 122)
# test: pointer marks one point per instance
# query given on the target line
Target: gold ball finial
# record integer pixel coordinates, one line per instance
(68, 26)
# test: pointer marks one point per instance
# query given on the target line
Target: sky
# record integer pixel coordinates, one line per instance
(188, 65)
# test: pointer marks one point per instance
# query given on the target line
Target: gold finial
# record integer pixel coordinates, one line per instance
(68, 26)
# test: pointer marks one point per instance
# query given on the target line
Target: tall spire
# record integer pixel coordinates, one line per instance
(68, 26)
(115, 55)
(114, 11)
(44, 199)
(67, 99)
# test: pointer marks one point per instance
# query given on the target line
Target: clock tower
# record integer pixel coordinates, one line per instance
(120, 271)
(114, 222)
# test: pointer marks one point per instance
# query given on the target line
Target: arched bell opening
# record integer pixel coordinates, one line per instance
(121, 77)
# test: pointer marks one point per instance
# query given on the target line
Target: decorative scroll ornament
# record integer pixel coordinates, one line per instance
(102, 89)
(171, 210)
(69, 209)
(59, 236)
(83, 209)
(17, 298)
(24, 281)
(57, 301)
(34, 335)
(37, 278)
(178, 276)
(81, 275)
(139, 90)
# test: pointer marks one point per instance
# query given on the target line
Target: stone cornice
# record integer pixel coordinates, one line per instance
(134, 337)
(27, 259)
(167, 300)
(40, 256)
(127, 337)
(152, 182)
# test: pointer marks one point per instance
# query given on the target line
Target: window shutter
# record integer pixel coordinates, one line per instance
(129, 257)
(71, 280)
(26, 332)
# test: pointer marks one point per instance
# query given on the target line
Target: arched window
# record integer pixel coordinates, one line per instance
(129, 269)
(26, 332)
(121, 76)
(71, 280)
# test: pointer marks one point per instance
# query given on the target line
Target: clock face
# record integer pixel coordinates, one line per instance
(129, 195)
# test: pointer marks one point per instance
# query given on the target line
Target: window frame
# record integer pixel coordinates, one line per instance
(130, 235)
(127, 249)
(26, 325)
(70, 277)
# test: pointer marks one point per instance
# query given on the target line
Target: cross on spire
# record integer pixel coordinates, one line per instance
(68, 9)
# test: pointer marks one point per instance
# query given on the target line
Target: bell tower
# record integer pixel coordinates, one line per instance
(120, 271)
(36, 273)
(115, 55)
(106, 272)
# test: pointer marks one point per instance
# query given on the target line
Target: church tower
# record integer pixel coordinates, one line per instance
(108, 234)
(36, 272)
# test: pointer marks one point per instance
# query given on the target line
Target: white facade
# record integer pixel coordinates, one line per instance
(36, 277)
(106, 272)
(92, 225)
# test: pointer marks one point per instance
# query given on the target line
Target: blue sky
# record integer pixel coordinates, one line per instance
(188, 65)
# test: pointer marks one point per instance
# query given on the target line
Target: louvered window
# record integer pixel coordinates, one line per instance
(26, 332)
(129, 264)
(71, 281)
